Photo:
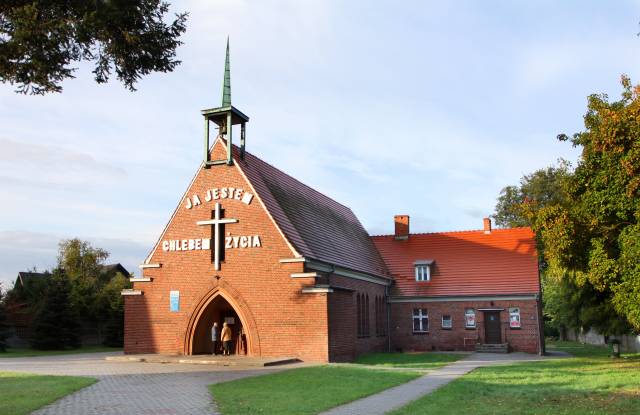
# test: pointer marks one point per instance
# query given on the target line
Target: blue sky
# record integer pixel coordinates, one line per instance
(421, 108)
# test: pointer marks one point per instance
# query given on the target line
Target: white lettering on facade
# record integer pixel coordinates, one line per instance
(242, 241)
(246, 198)
(186, 244)
(235, 193)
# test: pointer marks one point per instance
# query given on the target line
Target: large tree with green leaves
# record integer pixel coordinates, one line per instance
(518, 204)
(95, 291)
(40, 41)
(594, 240)
(568, 304)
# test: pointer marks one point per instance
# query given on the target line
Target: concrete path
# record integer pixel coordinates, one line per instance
(133, 388)
(401, 395)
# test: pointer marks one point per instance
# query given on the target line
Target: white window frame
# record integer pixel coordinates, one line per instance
(423, 272)
(515, 320)
(450, 324)
(468, 312)
(422, 315)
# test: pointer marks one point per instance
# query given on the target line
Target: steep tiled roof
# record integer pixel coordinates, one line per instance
(317, 226)
(465, 263)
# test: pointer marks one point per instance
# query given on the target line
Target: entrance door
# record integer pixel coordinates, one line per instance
(492, 330)
(218, 311)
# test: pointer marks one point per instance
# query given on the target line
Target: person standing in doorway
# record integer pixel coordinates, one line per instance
(214, 338)
(225, 337)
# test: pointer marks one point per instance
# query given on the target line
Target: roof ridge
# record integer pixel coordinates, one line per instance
(459, 231)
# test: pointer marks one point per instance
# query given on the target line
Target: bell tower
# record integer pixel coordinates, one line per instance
(225, 117)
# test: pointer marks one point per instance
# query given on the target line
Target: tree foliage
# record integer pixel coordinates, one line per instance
(4, 325)
(518, 205)
(40, 40)
(594, 240)
(55, 326)
(570, 302)
(95, 291)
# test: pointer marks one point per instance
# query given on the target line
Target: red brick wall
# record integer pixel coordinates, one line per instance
(344, 343)
(525, 339)
(280, 319)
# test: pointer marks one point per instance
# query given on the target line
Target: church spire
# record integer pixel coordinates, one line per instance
(226, 87)
(225, 117)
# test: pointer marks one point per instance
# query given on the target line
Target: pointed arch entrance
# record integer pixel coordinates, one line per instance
(221, 306)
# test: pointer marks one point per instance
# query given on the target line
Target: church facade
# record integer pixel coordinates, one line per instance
(294, 273)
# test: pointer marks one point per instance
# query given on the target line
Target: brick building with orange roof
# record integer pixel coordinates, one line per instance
(294, 273)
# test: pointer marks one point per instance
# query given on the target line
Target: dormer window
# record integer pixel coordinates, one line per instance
(423, 269)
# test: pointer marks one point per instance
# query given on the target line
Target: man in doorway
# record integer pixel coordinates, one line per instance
(225, 336)
(214, 338)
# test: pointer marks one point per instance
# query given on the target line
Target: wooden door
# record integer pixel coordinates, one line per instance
(492, 332)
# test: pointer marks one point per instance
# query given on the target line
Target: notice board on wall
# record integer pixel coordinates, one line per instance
(174, 301)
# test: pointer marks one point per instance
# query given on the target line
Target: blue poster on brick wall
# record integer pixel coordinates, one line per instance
(174, 301)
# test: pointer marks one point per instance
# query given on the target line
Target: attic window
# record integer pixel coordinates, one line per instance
(423, 269)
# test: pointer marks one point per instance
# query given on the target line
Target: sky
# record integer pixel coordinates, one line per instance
(425, 108)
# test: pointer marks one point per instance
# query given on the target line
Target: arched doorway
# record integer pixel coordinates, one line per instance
(218, 310)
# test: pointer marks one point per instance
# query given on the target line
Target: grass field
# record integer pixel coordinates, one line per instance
(32, 352)
(22, 393)
(303, 391)
(427, 360)
(589, 383)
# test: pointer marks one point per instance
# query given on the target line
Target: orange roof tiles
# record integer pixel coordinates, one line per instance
(466, 263)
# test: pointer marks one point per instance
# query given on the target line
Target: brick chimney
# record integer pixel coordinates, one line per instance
(487, 225)
(401, 227)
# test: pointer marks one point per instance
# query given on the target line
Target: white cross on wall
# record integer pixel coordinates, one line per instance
(216, 222)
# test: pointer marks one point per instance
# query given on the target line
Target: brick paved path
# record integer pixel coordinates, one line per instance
(401, 395)
(132, 388)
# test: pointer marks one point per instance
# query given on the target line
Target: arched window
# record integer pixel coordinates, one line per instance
(359, 314)
(367, 331)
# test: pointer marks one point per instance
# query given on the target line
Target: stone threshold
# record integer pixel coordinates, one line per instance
(218, 360)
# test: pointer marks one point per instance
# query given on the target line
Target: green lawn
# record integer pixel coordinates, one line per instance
(22, 393)
(303, 391)
(428, 360)
(590, 383)
(32, 352)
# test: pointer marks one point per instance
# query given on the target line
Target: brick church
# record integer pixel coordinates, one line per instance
(294, 273)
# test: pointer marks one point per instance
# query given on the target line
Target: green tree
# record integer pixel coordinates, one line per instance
(567, 304)
(55, 326)
(110, 294)
(40, 40)
(4, 325)
(518, 205)
(95, 291)
(595, 239)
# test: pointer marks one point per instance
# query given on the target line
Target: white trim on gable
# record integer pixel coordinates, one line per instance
(184, 195)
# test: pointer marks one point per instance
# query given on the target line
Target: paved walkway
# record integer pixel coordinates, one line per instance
(133, 388)
(401, 395)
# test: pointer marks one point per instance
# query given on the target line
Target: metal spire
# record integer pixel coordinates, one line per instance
(226, 88)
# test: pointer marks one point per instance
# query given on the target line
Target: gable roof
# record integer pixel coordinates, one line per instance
(25, 276)
(465, 263)
(317, 226)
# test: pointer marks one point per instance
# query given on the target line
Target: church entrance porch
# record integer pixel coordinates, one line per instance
(218, 311)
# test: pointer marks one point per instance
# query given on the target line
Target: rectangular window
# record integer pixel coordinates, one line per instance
(514, 318)
(446, 321)
(470, 318)
(423, 272)
(420, 320)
